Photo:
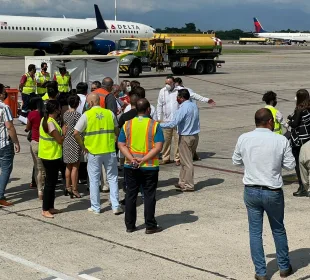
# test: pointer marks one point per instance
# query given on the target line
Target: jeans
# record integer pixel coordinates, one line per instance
(148, 179)
(51, 177)
(257, 201)
(296, 152)
(26, 99)
(94, 167)
(6, 165)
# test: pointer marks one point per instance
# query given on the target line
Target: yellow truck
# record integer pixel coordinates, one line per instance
(184, 53)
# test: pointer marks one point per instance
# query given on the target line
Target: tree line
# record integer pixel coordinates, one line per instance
(233, 34)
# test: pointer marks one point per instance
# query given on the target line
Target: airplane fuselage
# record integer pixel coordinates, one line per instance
(43, 33)
(294, 37)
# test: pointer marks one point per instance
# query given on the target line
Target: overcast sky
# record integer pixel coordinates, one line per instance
(200, 11)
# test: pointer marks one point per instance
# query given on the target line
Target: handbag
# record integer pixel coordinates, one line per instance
(29, 136)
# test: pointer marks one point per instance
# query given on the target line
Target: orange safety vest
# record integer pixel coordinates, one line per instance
(102, 95)
(140, 134)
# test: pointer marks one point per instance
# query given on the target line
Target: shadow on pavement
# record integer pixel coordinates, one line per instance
(169, 220)
(299, 259)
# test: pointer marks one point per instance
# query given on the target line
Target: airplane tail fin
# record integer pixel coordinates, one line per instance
(100, 22)
(258, 27)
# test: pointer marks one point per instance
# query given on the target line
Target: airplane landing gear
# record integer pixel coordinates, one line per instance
(39, 53)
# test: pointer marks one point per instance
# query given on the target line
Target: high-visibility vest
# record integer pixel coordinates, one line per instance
(63, 82)
(49, 149)
(99, 136)
(30, 85)
(45, 97)
(102, 93)
(42, 79)
(140, 132)
(277, 125)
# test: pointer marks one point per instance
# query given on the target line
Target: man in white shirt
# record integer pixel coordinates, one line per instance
(167, 105)
(263, 155)
(81, 91)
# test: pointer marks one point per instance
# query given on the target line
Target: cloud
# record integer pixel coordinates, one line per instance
(72, 7)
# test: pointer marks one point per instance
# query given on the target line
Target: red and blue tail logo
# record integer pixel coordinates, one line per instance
(258, 26)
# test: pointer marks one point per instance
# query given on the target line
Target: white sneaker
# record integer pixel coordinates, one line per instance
(93, 211)
(105, 189)
(119, 210)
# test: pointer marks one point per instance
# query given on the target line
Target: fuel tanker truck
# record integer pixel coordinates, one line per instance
(184, 53)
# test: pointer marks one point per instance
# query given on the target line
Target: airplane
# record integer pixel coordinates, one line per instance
(63, 35)
(287, 37)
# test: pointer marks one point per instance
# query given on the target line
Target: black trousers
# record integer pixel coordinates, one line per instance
(134, 179)
(296, 152)
(51, 176)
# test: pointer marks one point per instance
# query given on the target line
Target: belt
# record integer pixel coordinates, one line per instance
(264, 188)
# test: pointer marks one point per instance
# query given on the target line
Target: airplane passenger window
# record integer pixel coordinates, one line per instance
(5, 27)
(116, 31)
(78, 30)
(36, 28)
(1, 27)
(110, 31)
(43, 29)
(31, 28)
(9, 27)
(113, 31)
(71, 30)
(60, 29)
(54, 29)
(57, 29)
(12, 27)
(40, 28)
(24, 28)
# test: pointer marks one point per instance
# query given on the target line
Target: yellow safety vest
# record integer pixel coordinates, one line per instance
(277, 125)
(30, 85)
(140, 134)
(42, 79)
(45, 97)
(63, 82)
(99, 136)
(49, 149)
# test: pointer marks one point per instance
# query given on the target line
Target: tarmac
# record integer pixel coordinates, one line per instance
(205, 232)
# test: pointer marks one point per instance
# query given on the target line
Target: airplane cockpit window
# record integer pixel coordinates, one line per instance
(131, 45)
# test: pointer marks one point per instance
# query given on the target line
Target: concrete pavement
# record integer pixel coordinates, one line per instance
(205, 232)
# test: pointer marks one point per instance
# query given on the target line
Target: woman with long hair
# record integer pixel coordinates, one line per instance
(71, 149)
(33, 124)
(300, 131)
(50, 152)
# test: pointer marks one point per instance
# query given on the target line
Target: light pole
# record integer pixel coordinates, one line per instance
(115, 9)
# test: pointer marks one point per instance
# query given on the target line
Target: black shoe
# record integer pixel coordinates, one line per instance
(300, 193)
(260, 277)
(286, 273)
(153, 230)
(131, 230)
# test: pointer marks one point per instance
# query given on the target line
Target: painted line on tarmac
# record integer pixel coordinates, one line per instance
(217, 274)
(219, 169)
(88, 277)
(36, 266)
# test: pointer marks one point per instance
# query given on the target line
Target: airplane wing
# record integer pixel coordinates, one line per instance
(85, 37)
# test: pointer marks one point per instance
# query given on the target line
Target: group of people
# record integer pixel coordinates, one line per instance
(263, 153)
(116, 123)
(104, 130)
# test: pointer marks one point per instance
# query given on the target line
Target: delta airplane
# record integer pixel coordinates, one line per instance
(63, 35)
(288, 37)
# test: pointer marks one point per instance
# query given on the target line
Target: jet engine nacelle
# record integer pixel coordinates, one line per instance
(100, 47)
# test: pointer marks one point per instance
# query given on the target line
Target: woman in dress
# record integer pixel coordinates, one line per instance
(300, 131)
(34, 120)
(71, 149)
(50, 152)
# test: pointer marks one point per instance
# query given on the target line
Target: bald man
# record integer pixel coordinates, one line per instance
(263, 155)
(100, 127)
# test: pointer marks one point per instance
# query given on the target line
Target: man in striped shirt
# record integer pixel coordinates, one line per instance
(8, 140)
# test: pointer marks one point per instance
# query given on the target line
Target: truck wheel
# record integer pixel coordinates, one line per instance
(211, 68)
(200, 68)
(134, 71)
(177, 70)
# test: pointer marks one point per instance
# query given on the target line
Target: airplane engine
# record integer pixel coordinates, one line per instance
(100, 47)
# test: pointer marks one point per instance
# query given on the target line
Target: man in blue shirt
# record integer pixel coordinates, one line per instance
(187, 121)
(140, 141)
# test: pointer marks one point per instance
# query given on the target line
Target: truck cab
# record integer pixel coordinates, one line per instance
(134, 55)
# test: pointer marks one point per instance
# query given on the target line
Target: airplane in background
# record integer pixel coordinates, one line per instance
(63, 35)
(288, 37)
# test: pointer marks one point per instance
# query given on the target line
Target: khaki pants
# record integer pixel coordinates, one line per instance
(168, 134)
(38, 166)
(187, 147)
(304, 165)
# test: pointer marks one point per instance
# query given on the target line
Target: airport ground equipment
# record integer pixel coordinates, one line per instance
(183, 53)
